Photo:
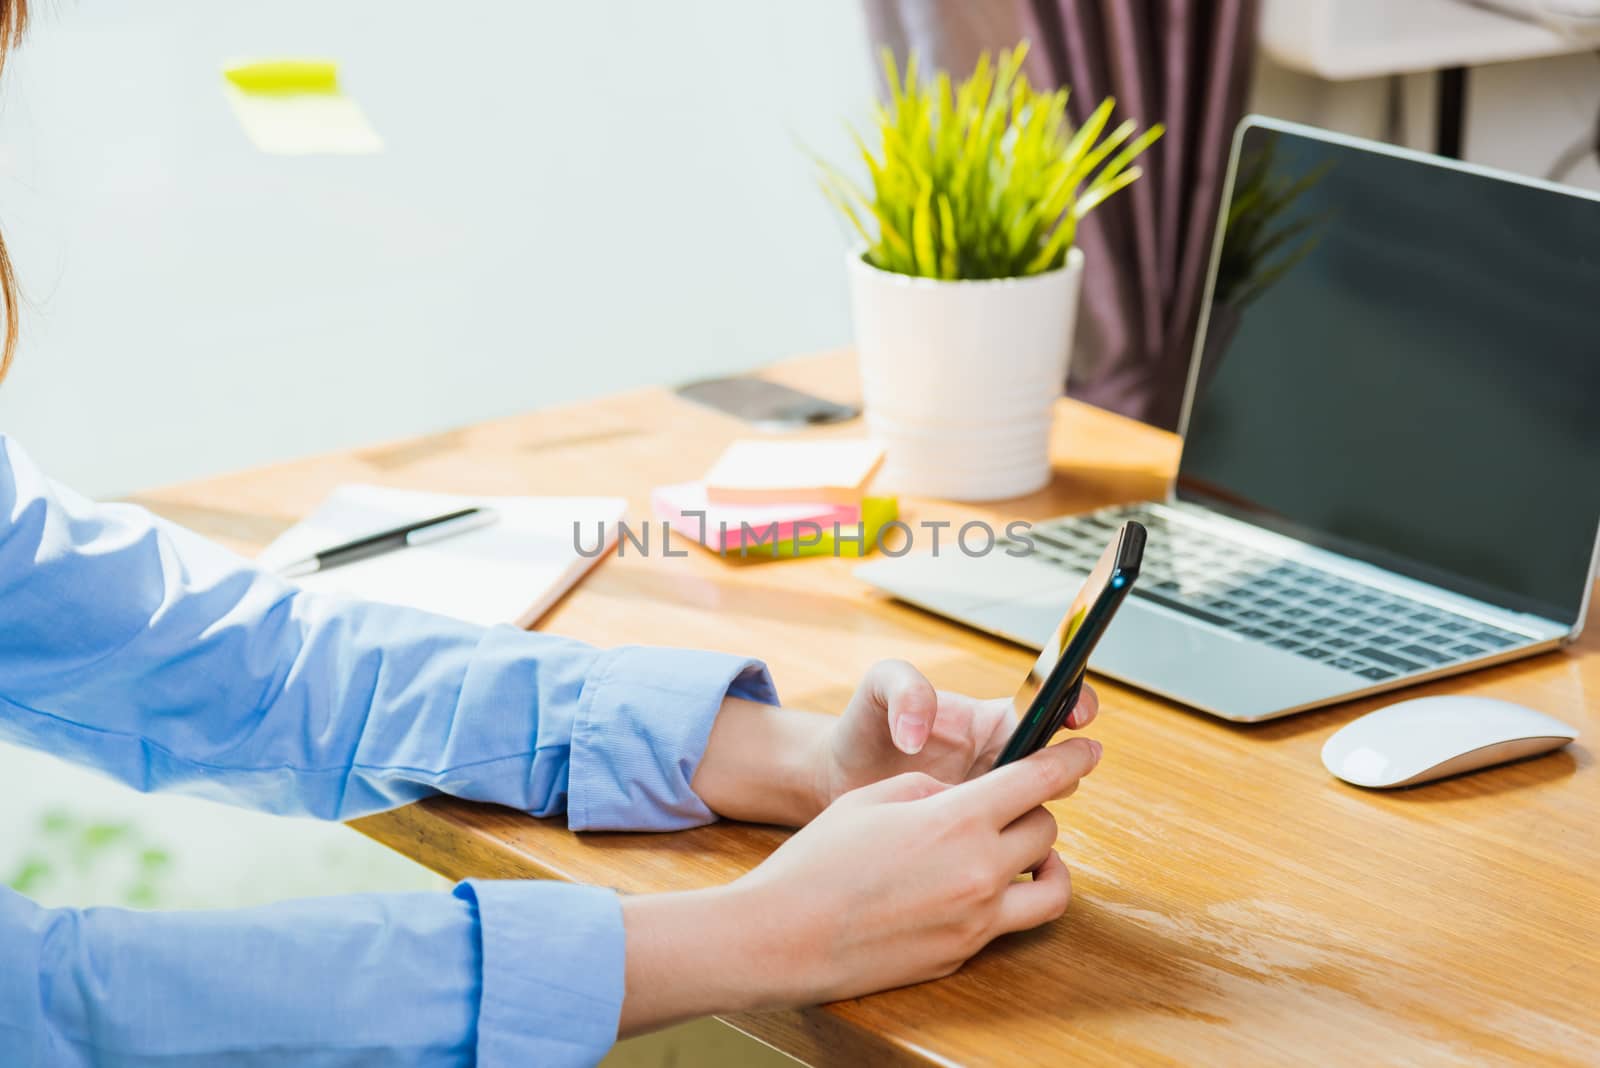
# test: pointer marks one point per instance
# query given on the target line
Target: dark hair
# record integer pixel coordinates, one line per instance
(13, 17)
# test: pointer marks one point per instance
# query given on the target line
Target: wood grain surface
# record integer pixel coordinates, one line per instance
(1234, 903)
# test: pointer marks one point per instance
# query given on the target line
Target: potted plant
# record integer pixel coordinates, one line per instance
(965, 288)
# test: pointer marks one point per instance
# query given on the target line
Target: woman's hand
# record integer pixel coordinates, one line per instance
(779, 765)
(898, 882)
(897, 722)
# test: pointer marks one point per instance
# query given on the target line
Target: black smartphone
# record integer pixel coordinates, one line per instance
(1047, 695)
(766, 404)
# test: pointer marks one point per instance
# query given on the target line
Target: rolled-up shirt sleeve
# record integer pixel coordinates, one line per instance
(632, 766)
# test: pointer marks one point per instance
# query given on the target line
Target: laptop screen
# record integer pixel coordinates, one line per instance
(1402, 363)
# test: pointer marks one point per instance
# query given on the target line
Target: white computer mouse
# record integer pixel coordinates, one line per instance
(1431, 737)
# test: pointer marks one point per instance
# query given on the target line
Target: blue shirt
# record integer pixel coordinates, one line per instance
(134, 646)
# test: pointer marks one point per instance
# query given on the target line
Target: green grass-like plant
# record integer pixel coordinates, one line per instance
(987, 179)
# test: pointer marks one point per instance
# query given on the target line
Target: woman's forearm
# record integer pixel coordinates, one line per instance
(695, 954)
(764, 764)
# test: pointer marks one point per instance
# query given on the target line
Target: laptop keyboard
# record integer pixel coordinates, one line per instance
(1288, 605)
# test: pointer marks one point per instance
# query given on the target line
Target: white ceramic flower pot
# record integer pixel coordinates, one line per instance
(959, 379)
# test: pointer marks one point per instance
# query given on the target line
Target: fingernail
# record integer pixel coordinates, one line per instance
(1097, 749)
(910, 734)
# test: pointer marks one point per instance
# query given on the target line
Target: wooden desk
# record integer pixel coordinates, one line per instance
(1235, 904)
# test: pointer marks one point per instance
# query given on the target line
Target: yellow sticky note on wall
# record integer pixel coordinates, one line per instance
(295, 107)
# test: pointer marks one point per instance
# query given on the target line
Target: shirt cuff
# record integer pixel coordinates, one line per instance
(553, 971)
(642, 726)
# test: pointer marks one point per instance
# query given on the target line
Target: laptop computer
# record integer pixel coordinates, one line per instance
(1391, 458)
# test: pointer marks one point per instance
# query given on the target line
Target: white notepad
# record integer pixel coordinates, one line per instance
(511, 571)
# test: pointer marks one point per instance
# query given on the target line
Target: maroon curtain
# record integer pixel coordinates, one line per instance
(1185, 63)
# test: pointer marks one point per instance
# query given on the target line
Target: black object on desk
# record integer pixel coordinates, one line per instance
(770, 405)
(385, 541)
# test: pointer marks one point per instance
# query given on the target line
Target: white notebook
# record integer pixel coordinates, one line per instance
(511, 571)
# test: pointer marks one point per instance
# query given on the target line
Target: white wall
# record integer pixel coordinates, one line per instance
(575, 198)
(1520, 116)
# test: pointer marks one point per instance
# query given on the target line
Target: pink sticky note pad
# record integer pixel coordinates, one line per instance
(725, 524)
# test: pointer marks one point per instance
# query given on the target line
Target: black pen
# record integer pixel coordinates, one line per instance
(387, 541)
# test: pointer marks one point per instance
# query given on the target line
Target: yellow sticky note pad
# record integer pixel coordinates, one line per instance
(295, 107)
(876, 513)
